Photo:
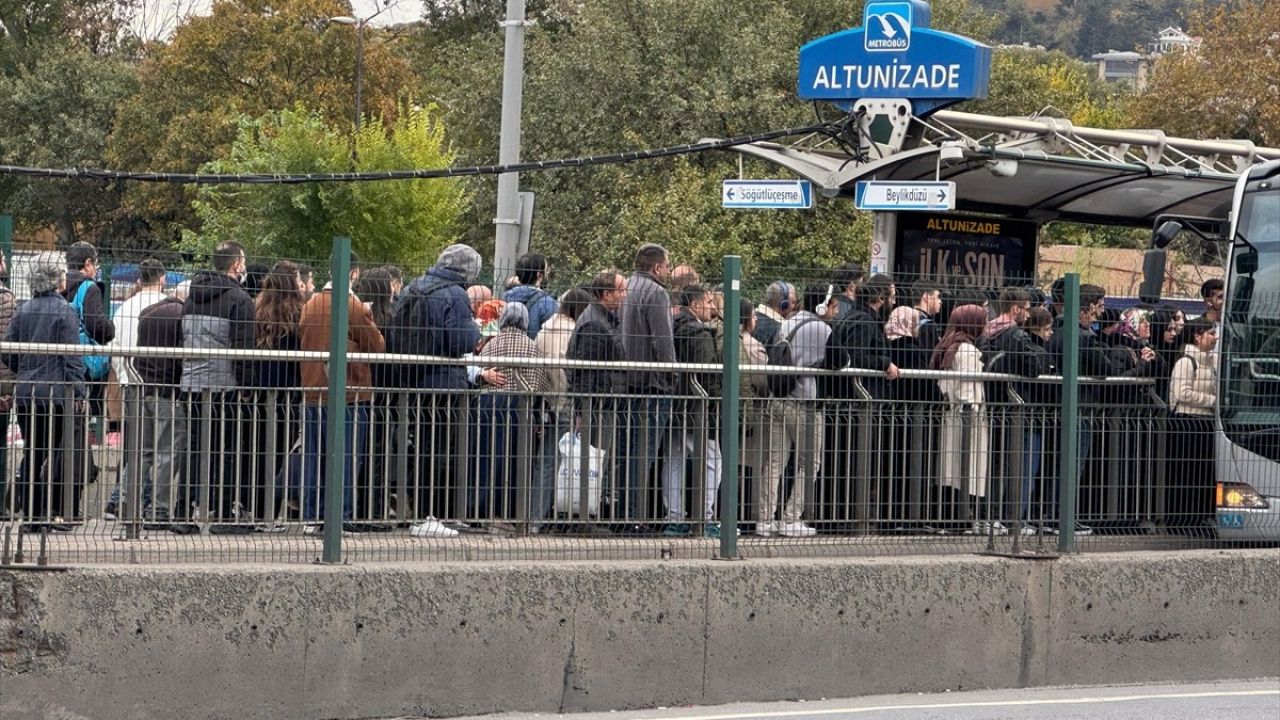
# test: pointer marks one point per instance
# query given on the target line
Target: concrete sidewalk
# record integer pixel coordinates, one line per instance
(284, 642)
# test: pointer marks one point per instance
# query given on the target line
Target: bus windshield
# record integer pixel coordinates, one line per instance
(1250, 363)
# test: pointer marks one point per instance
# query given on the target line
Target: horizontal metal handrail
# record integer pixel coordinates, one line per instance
(558, 363)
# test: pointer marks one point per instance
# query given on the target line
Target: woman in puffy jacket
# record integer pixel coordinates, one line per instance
(1193, 394)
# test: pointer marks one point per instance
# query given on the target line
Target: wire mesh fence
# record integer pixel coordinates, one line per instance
(589, 423)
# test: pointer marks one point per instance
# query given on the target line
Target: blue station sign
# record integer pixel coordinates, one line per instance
(895, 54)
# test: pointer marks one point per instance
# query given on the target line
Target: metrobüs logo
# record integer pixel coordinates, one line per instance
(887, 27)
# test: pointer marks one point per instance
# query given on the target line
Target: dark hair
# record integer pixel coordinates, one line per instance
(574, 301)
(226, 255)
(529, 265)
(150, 272)
(395, 272)
(278, 308)
(1011, 298)
(877, 287)
(1108, 317)
(850, 273)
(374, 287)
(355, 261)
(1194, 327)
(1161, 319)
(306, 271)
(690, 294)
(815, 295)
(80, 253)
(603, 282)
(649, 257)
(920, 288)
(253, 276)
(1038, 317)
(746, 312)
(1211, 286)
(1058, 290)
(1091, 295)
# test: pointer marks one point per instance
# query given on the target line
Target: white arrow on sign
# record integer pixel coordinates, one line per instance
(885, 195)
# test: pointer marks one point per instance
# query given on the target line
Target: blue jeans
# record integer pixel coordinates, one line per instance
(639, 441)
(497, 425)
(315, 452)
(542, 491)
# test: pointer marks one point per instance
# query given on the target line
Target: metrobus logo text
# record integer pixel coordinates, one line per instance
(887, 27)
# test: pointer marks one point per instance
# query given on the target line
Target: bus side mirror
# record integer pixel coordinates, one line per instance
(1153, 262)
(1165, 234)
(1247, 263)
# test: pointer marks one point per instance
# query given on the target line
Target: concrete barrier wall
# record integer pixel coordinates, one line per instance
(358, 642)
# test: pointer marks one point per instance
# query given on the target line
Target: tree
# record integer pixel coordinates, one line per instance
(403, 221)
(248, 57)
(616, 75)
(55, 114)
(1226, 89)
(1029, 81)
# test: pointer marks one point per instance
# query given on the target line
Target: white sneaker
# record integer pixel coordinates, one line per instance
(796, 529)
(983, 527)
(1027, 530)
(313, 529)
(766, 529)
(432, 527)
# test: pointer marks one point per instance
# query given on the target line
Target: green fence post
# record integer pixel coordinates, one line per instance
(336, 407)
(729, 411)
(1069, 467)
(6, 246)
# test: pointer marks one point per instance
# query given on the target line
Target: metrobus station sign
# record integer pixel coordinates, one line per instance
(895, 55)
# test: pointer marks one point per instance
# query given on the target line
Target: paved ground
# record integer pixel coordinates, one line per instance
(99, 541)
(1251, 700)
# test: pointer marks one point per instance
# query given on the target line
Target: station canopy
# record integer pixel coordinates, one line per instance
(1037, 168)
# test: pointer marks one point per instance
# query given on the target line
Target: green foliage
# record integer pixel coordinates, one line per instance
(55, 113)
(403, 221)
(1026, 82)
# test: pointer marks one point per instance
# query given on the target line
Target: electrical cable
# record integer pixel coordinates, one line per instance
(291, 179)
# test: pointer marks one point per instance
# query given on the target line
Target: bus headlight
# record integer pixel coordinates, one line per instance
(1238, 496)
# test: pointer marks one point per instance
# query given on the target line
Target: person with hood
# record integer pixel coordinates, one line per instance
(49, 388)
(1193, 394)
(533, 272)
(965, 430)
(217, 315)
(433, 316)
(695, 344)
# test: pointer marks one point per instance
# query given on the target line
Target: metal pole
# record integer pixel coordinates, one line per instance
(1068, 476)
(359, 70)
(336, 407)
(507, 220)
(729, 411)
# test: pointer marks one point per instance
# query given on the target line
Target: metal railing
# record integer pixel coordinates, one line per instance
(476, 473)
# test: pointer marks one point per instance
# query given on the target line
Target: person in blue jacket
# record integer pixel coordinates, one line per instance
(533, 272)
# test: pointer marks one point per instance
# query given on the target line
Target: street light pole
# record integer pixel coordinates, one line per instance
(507, 218)
(359, 24)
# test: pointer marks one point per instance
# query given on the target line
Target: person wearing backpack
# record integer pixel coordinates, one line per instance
(433, 316)
(533, 271)
(88, 297)
(798, 424)
(49, 388)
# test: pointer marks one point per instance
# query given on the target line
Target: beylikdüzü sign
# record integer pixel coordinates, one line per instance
(895, 55)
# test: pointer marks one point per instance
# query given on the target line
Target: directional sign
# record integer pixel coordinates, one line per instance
(882, 195)
(766, 194)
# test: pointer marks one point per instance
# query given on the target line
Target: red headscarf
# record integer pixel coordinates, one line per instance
(965, 325)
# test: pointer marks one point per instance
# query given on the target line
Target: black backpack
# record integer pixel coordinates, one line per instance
(781, 386)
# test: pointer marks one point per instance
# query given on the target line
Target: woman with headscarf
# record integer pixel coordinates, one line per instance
(914, 418)
(965, 431)
(498, 419)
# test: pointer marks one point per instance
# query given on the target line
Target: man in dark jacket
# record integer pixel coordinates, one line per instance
(646, 338)
(217, 315)
(433, 316)
(163, 415)
(780, 303)
(49, 389)
(860, 336)
(1006, 347)
(696, 411)
(846, 280)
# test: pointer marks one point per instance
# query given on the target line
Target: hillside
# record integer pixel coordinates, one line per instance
(1083, 27)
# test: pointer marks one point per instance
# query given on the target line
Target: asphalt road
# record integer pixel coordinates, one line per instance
(1245, 700)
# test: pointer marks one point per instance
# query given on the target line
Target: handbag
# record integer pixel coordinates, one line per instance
(96, 367)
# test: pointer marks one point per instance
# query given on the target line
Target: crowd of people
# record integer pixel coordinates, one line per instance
(240, 441)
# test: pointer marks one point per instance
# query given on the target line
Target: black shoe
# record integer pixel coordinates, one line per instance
(34, 528)
(61, 527)
(156, 526)
(110, 511)
(359, 528)
(217, 529)
(636, 530)
(181, 528)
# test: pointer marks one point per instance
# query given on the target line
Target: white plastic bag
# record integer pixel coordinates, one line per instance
(569, 476)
